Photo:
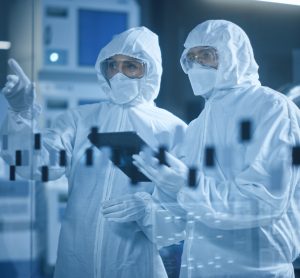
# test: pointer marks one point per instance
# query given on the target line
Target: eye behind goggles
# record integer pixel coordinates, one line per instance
(205, 56)
(131, 67)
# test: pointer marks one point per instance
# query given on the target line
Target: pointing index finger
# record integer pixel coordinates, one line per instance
(17, 70)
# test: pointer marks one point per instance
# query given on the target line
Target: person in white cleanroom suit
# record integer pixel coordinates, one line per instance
(129, 72)
(243, 215)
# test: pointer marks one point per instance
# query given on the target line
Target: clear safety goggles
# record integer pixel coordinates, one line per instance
(131, 67)
(205, 56)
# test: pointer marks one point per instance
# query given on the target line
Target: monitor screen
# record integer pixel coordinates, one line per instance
(95, 30)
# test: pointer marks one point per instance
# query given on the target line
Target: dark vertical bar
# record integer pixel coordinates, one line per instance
(4, 142)
(209, 157)
(18, 158)
(12, 173)
(62, 158)
(162, 155)
(116, 157)
(296, 156)
(45, 174)
(94, 129)
(245, 130)
(37, 141)
(134, 178)
(192, 177)
(89, 157)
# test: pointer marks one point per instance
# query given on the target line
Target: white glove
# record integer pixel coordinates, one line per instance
(18, 90)
(131, 207)
(167, 178)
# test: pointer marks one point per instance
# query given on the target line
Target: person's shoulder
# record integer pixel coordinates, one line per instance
(268, 97)
(271, 102)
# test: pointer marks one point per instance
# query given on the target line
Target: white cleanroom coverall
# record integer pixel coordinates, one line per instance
(243, 215)
(89, 245)
(245, 211)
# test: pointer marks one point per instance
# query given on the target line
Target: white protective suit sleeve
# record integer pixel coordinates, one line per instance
(164, 221)
(260, 193)
(20, 127)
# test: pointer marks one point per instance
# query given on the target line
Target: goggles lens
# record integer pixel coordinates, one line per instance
(132, 68)
(205, 56)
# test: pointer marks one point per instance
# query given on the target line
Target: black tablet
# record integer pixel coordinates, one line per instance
(123, 146)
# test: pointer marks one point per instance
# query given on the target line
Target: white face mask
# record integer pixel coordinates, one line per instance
(123, 89)
(203, 80)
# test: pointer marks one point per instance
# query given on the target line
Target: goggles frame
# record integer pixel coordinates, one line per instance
(208, 59)
(132, 68)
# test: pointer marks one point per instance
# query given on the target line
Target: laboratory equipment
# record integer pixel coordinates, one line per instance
(53, 209)
(66, 41)
(68, 34)
(18, 234)
(56, 43)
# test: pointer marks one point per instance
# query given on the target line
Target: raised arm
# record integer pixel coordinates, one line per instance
(20, 126)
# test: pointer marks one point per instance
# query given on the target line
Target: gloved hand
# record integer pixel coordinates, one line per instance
(128, 208)
(18, 90)
(168, 178)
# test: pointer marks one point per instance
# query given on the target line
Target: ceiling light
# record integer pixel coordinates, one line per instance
(54, 57)
(5, 45)
(288, 2)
